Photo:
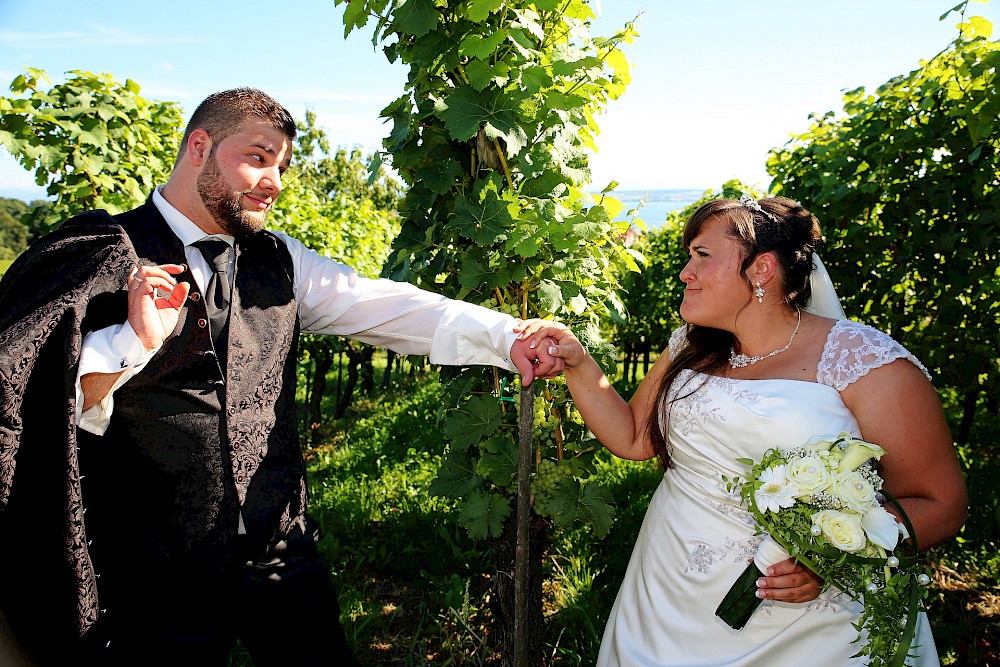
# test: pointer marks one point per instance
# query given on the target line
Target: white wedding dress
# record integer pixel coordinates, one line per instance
(696, 538)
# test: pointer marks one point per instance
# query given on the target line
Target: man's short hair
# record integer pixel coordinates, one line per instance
(223, 114)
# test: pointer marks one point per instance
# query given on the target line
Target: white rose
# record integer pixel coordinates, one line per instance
(843, 530)
(857, 452)
(881, 527)
(856, 492)
(809, 474)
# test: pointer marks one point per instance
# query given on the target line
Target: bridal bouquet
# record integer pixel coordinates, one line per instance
(820, 503)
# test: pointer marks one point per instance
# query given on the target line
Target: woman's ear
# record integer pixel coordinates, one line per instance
(764, 268)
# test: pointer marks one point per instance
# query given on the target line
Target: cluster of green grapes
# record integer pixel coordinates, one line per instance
(544, 482)
(575, 416)
(545, 423)
(510, 306)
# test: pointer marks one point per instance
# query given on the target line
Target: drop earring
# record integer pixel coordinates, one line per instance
(759, 293)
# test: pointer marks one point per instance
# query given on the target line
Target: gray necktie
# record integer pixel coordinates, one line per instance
(218, 292)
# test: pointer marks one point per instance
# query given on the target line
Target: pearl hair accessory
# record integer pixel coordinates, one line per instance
(744, 360)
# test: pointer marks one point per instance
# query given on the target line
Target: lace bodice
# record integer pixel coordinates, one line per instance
(852, 350)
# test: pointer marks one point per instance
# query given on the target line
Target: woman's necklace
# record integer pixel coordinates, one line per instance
(743, 360)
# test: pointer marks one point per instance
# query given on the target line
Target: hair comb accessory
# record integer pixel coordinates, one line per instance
(749, 202)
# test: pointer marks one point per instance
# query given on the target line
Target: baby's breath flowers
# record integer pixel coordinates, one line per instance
(822, 503)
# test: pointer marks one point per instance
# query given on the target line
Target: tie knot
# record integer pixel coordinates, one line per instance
(216, 252)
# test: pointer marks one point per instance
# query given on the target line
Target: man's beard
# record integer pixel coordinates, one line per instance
(224, 204)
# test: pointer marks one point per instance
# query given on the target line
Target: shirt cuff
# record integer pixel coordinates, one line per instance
(470, 335)
(114, 349)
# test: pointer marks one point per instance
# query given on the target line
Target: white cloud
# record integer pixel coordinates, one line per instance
(98, 35)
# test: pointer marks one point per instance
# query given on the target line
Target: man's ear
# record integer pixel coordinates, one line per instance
(199, 146)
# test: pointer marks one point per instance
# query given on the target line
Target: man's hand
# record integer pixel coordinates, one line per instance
(154, 317)
(533, 360)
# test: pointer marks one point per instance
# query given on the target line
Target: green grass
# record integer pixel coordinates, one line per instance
(413, 585)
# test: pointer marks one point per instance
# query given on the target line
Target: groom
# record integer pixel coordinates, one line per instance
(154, 503)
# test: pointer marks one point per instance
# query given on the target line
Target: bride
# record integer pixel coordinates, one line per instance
(756, 368)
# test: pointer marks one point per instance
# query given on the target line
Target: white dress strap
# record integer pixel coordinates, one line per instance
(852, 350)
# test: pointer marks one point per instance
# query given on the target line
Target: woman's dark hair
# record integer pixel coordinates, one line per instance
(781, 227)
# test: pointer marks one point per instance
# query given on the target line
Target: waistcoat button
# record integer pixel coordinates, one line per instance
(194, 296)
(202, 323)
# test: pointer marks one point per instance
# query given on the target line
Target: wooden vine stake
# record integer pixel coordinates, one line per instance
(522, 554)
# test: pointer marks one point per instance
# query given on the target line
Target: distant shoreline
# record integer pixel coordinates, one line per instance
(656, 203)
(660, 194)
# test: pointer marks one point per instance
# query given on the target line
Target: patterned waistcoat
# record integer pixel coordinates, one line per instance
(189, 448)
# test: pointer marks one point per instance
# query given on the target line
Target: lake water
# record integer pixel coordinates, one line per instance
(656, 204)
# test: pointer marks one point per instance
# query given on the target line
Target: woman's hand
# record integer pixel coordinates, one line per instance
(788, 581)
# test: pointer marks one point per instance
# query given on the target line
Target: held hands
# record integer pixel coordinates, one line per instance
(154, 317)
(555, 340)
(544, 349)
(789, 581)
(533, 360)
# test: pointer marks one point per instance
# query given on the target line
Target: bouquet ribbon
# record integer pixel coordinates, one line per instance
(741, 601)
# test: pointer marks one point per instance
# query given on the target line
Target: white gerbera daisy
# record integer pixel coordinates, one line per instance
(775, 490)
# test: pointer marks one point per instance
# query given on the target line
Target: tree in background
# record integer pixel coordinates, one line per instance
(330, 205)
(13, 234)
(907, 186)
(491, 136)
(650, 298)
(95, 143)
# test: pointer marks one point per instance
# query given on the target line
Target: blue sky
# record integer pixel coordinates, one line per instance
(716, 83)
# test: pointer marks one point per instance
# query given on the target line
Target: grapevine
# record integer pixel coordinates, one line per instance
(492, 136)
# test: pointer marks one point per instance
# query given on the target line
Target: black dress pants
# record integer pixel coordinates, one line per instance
(284, 611)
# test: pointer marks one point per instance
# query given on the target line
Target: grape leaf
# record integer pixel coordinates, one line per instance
(483, 514)
(457, 477)
(474, 273)
(416, 17)
(589, 504)
(483, 223)
(466, 109)
(480, 9)
(477, 420)
(477, 46)
(499, 463)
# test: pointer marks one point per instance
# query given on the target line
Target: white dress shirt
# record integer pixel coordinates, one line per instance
(332, 299)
